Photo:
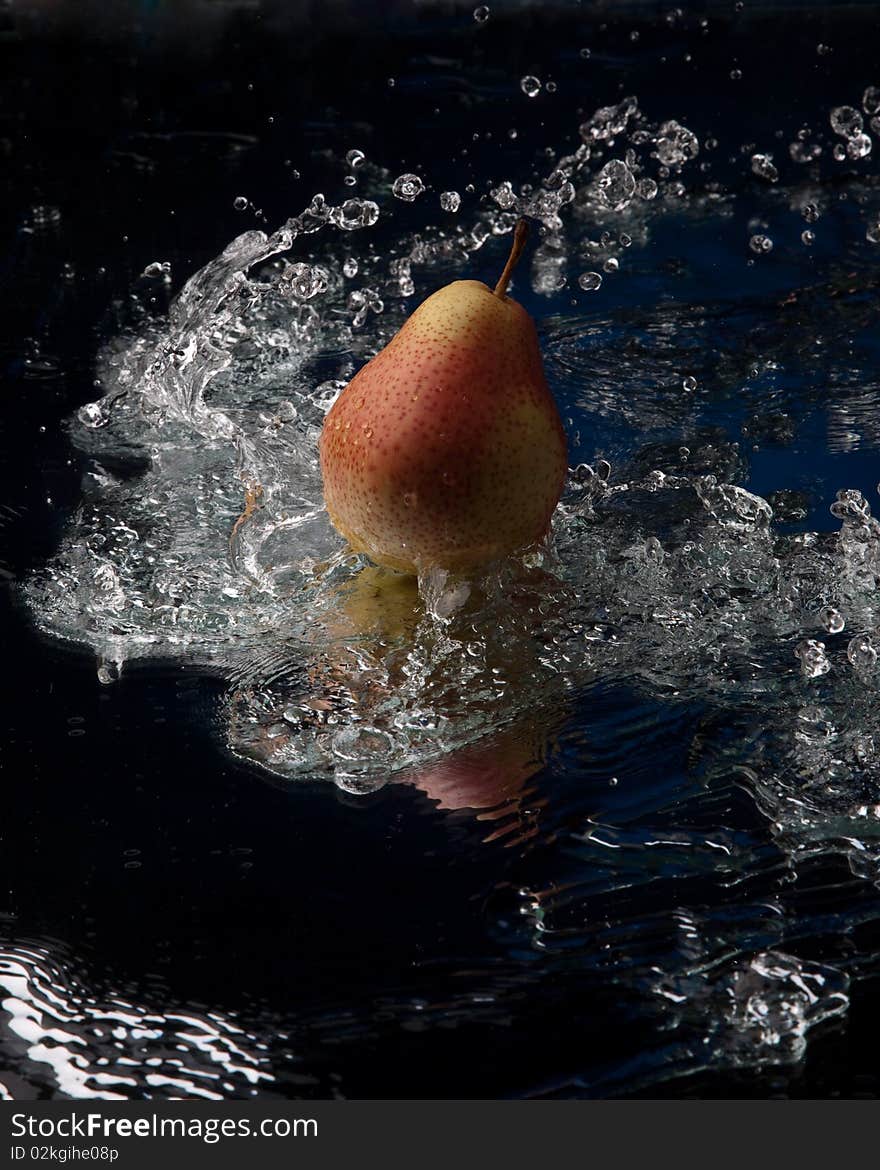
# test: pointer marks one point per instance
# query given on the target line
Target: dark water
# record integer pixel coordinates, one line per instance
(662, 878)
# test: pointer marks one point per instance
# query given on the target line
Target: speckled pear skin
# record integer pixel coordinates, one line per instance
(447, 449)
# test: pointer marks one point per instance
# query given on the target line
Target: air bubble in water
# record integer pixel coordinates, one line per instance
(349, 266)
(689, 383)
(872, 234)
(530, 86)
(647, 189)
(762, 166)
(736, 75)
(240, 203)
(407, 187)
(861, 652)
(813, 659)
(761, 244)
(611, 264)
(481, 14)
(808, 237)
(832, 619)
(450, 201)
(810, 212)
(590, 281)
(846, 121)
(354, 158)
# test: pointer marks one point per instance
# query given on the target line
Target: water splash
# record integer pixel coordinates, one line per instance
(202, 538)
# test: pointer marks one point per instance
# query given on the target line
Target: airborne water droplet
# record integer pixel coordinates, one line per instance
(832, 619)
(861, 652)
(590, 281)
(814, 662)
(407, 187)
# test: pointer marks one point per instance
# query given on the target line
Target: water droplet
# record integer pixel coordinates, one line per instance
(861, 652)
(504, 195)
(832, 619)
(871, 100)
(814, 662)
(240, 203)
(872, 233)
(93, 415)
(530, 86)
(450, 201)
(859, 147)
(158, 270)
(647, 189)
(615, 184)
(481, 14)
(689, 383)
(354, 158)
(585, 54)
(804, 152)
(846, 121)
(349, 266)
(676, 144)
(590, 281)
(808, 237)
(354, 214)
(736, 75)
(407, 187)
(611, 264)
(304, 281)
(625, 240)
(823, 50)
(761, 244)
(550, 87)
(762, 166)
(810, 212)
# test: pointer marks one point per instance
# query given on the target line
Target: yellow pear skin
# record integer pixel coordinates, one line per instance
(447, 449)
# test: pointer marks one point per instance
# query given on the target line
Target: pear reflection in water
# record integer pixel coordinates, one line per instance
(430, 684)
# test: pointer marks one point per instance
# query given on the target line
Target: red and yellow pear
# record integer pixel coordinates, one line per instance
(446, 450)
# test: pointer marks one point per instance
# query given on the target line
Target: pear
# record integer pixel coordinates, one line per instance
(446, 450)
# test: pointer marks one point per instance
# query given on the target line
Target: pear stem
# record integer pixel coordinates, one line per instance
(520, 235)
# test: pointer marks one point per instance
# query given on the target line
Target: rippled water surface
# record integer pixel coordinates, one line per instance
(605, 820)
